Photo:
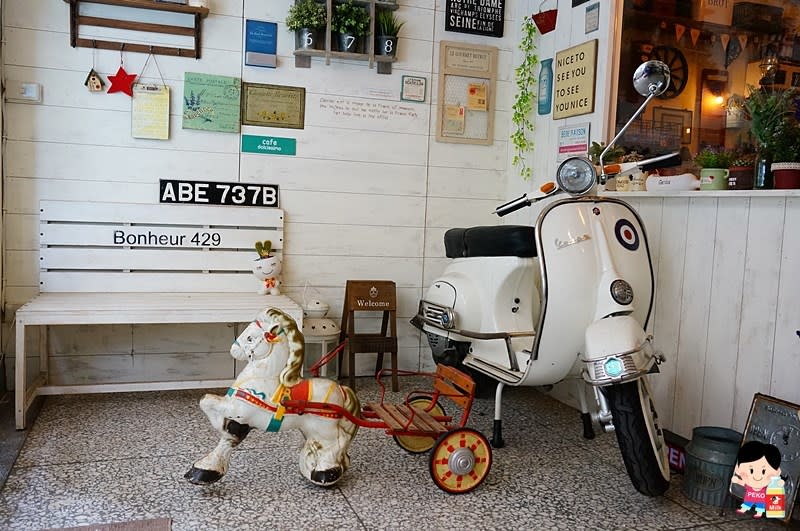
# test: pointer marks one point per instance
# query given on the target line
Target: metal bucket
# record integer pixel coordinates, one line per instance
(710, 460)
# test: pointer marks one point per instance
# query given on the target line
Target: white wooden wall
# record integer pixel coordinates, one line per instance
(726, 311)
(364, 198)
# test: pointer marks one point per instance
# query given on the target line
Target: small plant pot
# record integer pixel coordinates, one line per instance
(740, 178)
(306, 39)
(714, 178)
(786, 175)
(386, 45)
(545, 20)
(349, 43)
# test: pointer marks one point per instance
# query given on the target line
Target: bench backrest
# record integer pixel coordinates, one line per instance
(127, 247)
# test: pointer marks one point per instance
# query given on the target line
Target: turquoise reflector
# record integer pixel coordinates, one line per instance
(613, 367)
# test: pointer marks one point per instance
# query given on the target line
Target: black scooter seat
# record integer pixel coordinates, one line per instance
(496, 240)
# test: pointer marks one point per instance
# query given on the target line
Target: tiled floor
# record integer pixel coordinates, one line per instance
(116, 457)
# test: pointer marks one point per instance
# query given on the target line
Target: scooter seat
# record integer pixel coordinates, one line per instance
(495, 240)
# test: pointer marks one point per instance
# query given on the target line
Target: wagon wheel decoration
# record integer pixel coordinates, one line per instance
(460, 460)
(678, 69)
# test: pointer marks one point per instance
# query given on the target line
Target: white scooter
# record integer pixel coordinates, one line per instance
(567, 298)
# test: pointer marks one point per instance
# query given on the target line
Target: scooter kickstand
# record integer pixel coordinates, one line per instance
(586, 417)
(497, 430)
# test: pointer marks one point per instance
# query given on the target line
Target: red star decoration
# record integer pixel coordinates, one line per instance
(121, 82)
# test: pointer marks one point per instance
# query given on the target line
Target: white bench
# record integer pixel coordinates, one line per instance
(124, 263)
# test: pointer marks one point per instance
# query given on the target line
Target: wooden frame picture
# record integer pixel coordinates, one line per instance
(665, 115)
(273, 105)
(777, 422)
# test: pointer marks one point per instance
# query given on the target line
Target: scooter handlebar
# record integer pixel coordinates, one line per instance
(513, 205)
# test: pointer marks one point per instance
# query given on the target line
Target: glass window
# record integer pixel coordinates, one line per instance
(716, 49)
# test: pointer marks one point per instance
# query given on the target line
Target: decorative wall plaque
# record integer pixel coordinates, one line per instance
(273, 105)
(575, 80)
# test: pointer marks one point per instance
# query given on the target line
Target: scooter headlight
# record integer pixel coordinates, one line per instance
(621, 292)
(576, 176)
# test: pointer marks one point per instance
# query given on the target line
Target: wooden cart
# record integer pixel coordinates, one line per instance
(460, 457)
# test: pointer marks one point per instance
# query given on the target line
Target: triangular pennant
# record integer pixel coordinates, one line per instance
(695, 34)
(742, 40)
(724, 39)
(679, 31)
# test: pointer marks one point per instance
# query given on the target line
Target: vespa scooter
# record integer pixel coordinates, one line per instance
(567, 298)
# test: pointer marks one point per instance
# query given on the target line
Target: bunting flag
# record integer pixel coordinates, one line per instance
(679, 30)
(732, 51)
(743, 41)
(695, 34)
(724, 39)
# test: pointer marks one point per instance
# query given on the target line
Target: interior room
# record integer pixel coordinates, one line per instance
(250, 248)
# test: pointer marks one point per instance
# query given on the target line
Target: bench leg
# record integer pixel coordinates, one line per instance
(20, 376)
(44, 352)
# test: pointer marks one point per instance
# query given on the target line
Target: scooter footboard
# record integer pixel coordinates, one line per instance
(617, 351)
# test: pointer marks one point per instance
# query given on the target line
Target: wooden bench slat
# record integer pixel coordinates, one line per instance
(169, 259)
(146, 282)
(160, 214)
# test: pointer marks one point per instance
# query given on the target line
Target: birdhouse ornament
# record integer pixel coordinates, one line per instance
(94, 82)
(267, 269)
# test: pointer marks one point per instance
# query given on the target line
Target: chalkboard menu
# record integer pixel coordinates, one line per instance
(777, 422)
(478, 17)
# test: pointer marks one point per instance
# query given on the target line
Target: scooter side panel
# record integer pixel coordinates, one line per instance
(568, 240)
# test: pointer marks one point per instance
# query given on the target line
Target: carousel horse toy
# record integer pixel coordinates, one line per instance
(274, 348)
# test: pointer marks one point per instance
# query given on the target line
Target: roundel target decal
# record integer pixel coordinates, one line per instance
(626, 234)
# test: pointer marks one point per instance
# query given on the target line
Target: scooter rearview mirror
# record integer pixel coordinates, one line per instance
(651, 77)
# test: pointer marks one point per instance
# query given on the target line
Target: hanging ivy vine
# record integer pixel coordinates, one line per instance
(524, 99)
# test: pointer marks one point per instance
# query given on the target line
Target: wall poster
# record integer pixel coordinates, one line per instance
(211, 103)
(575, 72)
(478, 17)
(273, 105)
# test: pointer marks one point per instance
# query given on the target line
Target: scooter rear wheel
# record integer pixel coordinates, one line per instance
(639, 435)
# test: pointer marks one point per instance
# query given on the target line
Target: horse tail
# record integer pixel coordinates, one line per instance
(290, 375)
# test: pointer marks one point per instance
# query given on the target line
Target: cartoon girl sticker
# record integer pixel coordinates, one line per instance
(757, 467)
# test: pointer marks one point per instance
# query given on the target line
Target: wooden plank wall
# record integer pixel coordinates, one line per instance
(364, 197)
(726, 309)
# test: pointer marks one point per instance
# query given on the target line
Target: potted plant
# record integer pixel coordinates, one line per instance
(713, 163)
(388, 27)
(740, 176)
(786, 155)
(766, 108)
(305, 18)
(351, 22)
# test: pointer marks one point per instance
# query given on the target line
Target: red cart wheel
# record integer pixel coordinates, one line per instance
(418, 444)
(460, 460)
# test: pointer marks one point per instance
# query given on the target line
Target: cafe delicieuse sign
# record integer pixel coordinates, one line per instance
(479, 17)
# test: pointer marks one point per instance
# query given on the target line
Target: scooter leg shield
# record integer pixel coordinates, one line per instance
(617, 350)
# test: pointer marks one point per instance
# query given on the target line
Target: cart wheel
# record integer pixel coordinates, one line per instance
(460, 460)
(415, 444)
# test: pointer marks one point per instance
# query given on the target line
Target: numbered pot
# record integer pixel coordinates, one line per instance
(349, 43)
(386, 45)
(306, 39)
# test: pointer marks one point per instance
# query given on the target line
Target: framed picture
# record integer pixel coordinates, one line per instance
(666, 116)
(273, 105)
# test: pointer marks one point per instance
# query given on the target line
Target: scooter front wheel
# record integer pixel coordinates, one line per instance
(639, 435)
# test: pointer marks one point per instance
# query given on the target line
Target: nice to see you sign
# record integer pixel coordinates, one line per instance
(269, 145)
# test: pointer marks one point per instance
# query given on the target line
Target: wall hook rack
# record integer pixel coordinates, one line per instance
(77, 19)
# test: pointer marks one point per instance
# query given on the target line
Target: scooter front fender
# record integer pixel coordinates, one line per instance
(617, 350)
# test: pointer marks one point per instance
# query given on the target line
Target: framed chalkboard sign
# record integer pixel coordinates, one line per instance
(777, 422)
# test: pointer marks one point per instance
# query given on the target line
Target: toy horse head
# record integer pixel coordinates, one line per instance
(274, 341)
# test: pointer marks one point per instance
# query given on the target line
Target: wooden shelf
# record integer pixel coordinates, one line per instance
(77, 20)
(302, 57)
